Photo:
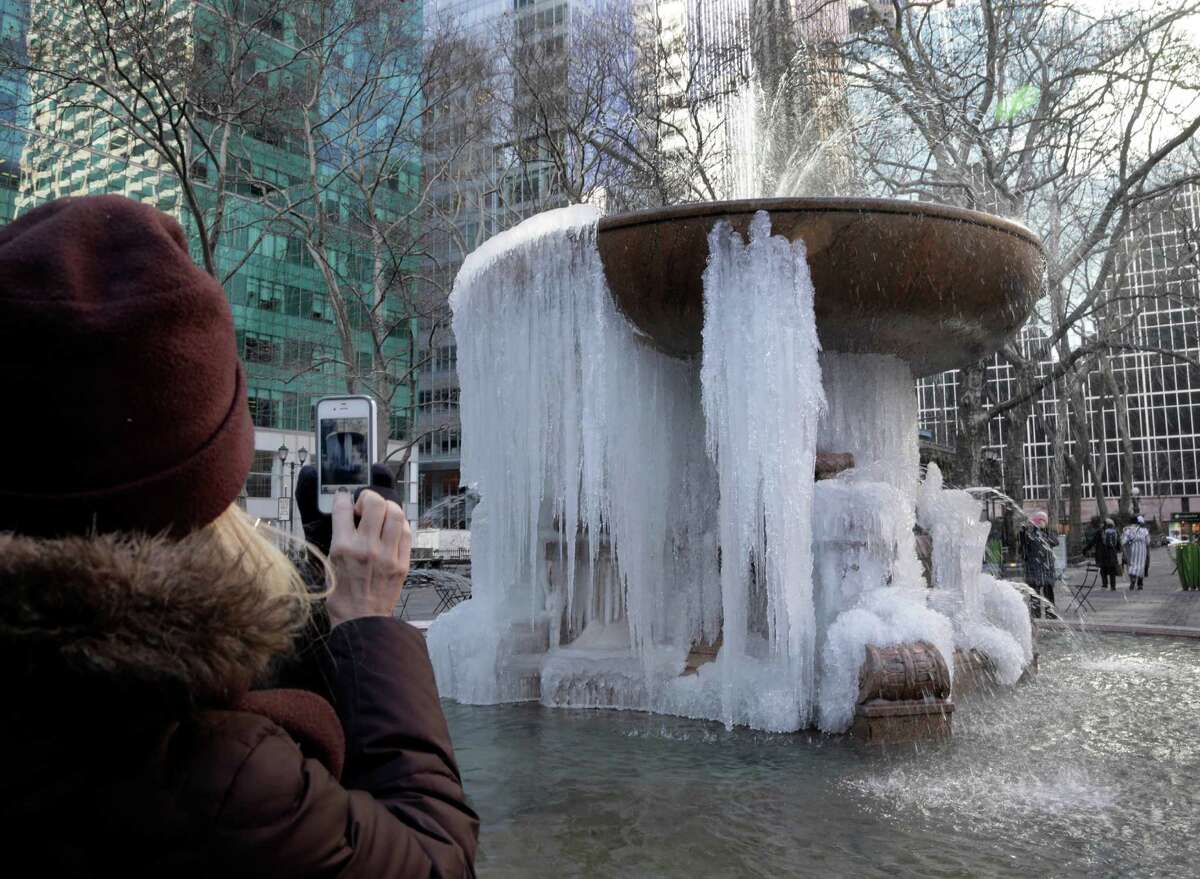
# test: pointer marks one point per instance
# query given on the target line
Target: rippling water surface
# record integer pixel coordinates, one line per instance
(1093, 769)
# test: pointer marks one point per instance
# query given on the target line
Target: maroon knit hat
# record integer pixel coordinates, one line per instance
(124, 400)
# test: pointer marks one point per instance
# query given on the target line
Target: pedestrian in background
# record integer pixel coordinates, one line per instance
(1106, 546)
(1036, 545)
(1135, 544)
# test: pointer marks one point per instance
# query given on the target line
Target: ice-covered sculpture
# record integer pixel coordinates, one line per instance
(652, 535)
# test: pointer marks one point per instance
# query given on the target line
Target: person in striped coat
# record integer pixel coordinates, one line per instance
(1135, 545)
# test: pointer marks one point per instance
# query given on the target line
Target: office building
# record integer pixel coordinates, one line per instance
(73, 142)
(1156, 295)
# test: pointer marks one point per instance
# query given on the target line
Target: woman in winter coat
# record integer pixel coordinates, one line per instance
(1036, 551)
(140, 607)
(1106, 543)
(1135, 542)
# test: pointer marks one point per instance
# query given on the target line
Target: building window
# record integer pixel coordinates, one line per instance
(446, 358)
(363, 362)
(358, 314)
(445, 441)
(298, 253)
(296, 411)
(398, 424)
(299, 302)
(443, 400)
(298, 353)
(265, 407)
(264, 294)
(260, 348)
(258, 482)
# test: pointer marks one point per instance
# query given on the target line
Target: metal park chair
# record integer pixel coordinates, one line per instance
(1081, 590)
(403, 608)
(449, 594)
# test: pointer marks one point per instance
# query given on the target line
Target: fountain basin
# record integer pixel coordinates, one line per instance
(1064, 777)
(890, 276)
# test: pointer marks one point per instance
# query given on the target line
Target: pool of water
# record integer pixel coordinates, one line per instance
(1093, 769)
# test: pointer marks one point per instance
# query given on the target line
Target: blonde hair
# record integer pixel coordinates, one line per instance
(247, 544)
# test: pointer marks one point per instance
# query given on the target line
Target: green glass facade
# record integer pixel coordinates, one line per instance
(285, 322)
(14, 20)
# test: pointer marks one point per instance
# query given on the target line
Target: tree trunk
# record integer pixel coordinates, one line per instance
(971, 432)
(1081, 429)
(382, 388)
(1016, 429)
(1058, 455)
(1072, 467)
(1075, 508)
(1117, 392)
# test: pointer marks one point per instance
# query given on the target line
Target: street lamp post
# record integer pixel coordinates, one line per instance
(283, 455)
(302, 454)
(1136, 492)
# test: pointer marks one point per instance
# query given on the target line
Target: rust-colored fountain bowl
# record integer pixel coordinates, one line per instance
(937, 286)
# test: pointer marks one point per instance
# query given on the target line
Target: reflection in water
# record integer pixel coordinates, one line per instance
(1091, 770)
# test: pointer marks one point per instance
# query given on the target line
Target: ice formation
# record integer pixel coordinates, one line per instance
(761, 386)
(642, 513)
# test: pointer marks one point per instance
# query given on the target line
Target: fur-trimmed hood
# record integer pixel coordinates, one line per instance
(147, 625)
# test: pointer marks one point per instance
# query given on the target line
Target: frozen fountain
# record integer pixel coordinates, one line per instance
(694, 431)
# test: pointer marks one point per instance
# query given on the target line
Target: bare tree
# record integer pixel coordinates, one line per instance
(1070, 118)
(614, 103)
(174, 88)
(187, 92)
(370, 80)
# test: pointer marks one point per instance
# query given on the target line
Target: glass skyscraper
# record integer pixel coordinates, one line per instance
(67, 144)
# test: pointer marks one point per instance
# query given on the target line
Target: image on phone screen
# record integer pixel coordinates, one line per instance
(343, 453)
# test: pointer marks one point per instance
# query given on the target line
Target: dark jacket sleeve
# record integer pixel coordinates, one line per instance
(398, 812)
(397, 742)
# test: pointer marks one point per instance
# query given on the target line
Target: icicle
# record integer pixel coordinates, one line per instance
(762, 396)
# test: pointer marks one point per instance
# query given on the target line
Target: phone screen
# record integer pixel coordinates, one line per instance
(344, 455)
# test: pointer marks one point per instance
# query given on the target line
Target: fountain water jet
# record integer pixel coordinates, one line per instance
(648, 513)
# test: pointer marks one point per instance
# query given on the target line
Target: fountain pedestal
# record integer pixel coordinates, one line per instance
(903, 695)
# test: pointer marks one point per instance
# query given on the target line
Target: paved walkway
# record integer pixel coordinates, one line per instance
(1161, 608)
(1162, 604)
(421, 603)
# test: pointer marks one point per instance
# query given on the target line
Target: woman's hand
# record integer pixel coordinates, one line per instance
(370, 562)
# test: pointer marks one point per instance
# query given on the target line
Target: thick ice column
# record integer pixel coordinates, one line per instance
(870, 590)
(953, 519)
(761, 387)
(871, 412)
(587, 446)
(989, 615)
(862, 540)
(865, 518)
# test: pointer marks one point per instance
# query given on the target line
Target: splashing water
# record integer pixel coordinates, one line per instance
(644, 516)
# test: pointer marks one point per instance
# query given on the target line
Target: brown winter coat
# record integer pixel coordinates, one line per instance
(121, 661)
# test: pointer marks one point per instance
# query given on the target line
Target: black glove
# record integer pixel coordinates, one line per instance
(307, 666)
(318, 526)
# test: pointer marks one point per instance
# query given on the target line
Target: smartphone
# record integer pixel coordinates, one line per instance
(345, 445)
